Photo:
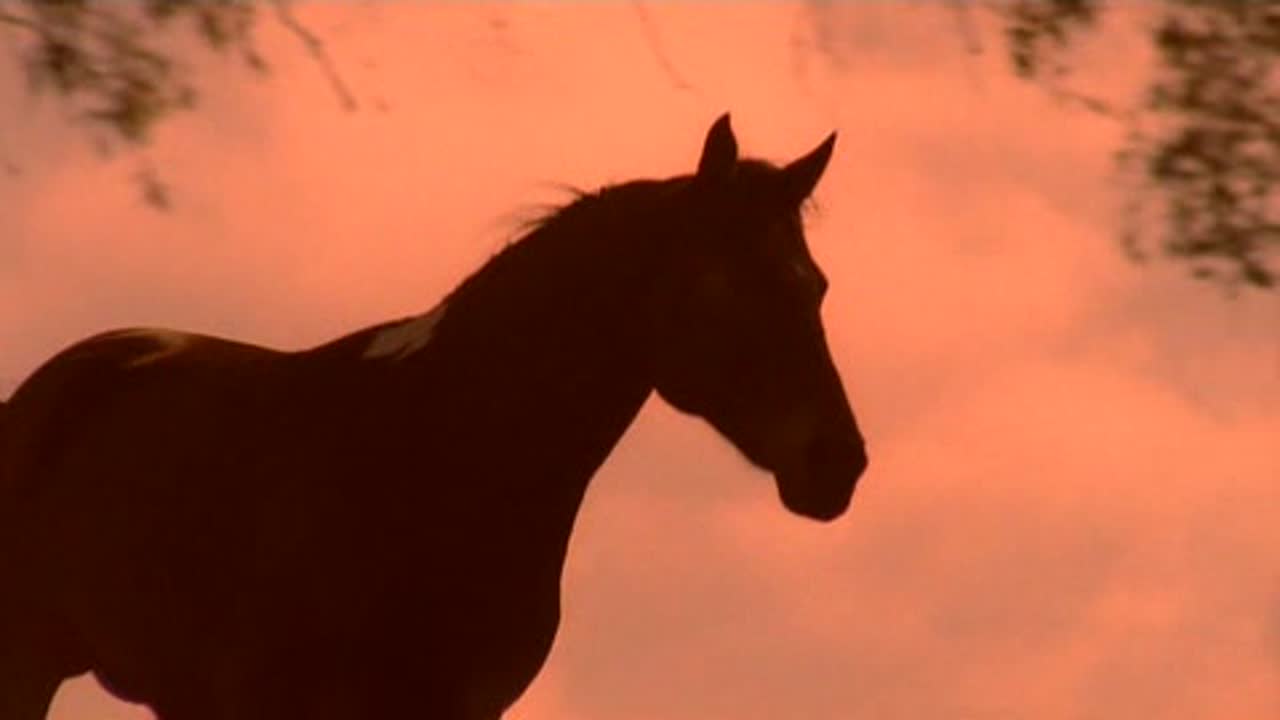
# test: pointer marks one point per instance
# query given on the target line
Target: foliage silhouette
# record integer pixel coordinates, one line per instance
(109, 63)
(1204, 142)
(1213, 159)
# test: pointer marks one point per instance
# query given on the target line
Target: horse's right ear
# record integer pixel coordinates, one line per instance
(719, 153)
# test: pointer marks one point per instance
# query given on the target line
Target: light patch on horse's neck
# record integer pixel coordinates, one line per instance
(166, 343)
(406, 337)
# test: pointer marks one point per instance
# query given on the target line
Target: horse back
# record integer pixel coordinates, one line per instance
(139, 470)
(137, 390)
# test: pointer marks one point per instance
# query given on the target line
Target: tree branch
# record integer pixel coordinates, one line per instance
(654, 41)
(315, 47)
(964, 23)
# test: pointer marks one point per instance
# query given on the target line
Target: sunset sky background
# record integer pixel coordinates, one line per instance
(1072, 507)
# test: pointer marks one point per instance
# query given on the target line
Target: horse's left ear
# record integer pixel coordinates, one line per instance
(801, 176)
(719, 152)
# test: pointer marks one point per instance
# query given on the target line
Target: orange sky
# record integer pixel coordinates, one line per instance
(1075, 478)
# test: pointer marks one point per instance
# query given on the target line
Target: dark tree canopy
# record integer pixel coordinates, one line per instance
(109, 61)
(1204, 140)
(114, 65)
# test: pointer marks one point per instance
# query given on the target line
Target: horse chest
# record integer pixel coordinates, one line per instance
(509, 644)
(487, 625)
(461, 583)
(497, 604)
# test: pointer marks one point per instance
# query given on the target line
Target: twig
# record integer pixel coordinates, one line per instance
(968, 31)
(656, 47)
(8, 18)
(316, 48)
(971, 36)
(1092, 103)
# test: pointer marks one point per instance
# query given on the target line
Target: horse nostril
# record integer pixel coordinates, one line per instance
(860, 460)
(830, 457)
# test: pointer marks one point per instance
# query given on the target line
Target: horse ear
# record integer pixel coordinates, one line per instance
(800, 177)
(719, 152)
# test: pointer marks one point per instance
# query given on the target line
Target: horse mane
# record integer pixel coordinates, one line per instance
(574, 220)
(553, 239)
(542, 244)
(544, 239)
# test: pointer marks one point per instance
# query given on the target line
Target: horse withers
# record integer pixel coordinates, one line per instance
(376, 527)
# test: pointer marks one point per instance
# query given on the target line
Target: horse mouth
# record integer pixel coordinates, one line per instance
(812, 506)
(822, 487)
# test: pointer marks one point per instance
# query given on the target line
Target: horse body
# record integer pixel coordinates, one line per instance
(344, 499)
(374, 527)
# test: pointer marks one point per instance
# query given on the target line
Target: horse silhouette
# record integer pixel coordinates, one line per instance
(376, 527)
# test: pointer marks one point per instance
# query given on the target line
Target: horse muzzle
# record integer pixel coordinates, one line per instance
(821, 482)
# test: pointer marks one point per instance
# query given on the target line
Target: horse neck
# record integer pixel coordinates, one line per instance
(549, 341)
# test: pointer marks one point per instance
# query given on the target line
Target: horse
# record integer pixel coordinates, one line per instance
(376, 526)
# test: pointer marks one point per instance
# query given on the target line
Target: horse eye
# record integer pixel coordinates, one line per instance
(810, 277)
(716, 286)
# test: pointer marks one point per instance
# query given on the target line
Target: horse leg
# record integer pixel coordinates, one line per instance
(32, 663)
(26, 688)
(36, 651)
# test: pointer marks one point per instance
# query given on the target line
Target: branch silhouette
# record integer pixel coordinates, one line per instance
(1203, 143)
